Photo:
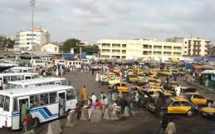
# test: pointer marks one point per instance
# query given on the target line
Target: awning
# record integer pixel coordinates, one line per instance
(208, 72)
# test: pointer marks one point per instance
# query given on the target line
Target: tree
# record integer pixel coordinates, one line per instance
(91, 49)
(71, 43)
(6, 42)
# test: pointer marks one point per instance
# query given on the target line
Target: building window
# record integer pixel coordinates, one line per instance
(185, 42)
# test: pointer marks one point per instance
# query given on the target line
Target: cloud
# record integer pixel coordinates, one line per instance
(91, 20)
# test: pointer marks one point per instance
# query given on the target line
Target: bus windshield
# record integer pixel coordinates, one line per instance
(1, 101)
(12, 86)
(5, 102)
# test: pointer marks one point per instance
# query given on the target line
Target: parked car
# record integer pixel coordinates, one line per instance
(208, 112)
(144, 98)
(198, 99)
(174, 105)
(120, 86)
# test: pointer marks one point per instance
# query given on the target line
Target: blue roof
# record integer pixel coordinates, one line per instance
(210, 58)
(69, 56)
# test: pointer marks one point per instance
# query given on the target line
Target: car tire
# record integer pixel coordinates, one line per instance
(189, 113)
(35, 122)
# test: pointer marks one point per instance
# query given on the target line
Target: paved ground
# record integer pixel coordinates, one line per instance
(142, 123)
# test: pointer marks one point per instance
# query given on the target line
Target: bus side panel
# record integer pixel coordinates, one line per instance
(45, 113)
(15, 121)
(71, 104)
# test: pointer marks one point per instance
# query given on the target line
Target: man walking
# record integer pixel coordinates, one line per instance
(170, 127)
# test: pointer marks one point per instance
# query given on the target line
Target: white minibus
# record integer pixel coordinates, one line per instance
(19, 70)
(44, 104)
(6, 77)
(37, 82)
(38, 62)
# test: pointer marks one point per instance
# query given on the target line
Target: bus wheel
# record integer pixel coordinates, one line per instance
(35, 122)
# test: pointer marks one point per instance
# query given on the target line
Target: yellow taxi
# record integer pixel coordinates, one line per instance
(152, 81)
(155, 77)
(179, 105)
(120, 87)
(164, 73)
(140, 76)
(132, 78)
(171, 85)
(153, 72)
(155, 92)
(198, 99)
(175, 105)
(116, 69)
(208, 112)
(139, 71)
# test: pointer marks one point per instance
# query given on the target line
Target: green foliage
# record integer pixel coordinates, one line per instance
(91, 49)
(70, 43)
(6, 42)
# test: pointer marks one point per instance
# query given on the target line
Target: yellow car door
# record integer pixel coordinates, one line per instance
(174, 108)
(124, 87)
(199, 100)
(195, 101)
(185, 107)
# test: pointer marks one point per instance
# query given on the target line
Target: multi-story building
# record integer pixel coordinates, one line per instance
(134, 49)
(193, 46)
(23, 40)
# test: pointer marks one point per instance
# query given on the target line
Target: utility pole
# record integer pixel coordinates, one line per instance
(32, 2)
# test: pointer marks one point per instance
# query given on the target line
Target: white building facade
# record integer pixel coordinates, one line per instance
(23, 40)
(134, 49)
(193, 46)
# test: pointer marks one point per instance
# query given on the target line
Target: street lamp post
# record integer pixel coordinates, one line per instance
(32, 2)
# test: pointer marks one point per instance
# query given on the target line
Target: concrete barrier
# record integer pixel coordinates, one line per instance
(54, 128)
(96, 116)
(127, 112)
(114, 115)
(107, 114)
(84, 114)
(72, 119)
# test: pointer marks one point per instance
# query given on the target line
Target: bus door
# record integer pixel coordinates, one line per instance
(61, 95)
(23, 105)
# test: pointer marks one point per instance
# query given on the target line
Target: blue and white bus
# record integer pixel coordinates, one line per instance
(43, 103)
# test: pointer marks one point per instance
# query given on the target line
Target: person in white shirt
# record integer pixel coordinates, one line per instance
(178, 90)
(116, 107)
(93, 98)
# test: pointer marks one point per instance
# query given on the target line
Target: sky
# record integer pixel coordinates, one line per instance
(91, 20)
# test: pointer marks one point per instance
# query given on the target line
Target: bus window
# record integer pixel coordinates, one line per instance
(64, 82)
(34, 76)
(70, 95)
(6, 104)
(20, 77)
(1, 101)
(15, 105)
(13, 78)
(6, 79)
(34, 101)
(52, 97)
(25, 71)
(44, 99)
(57, 83)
